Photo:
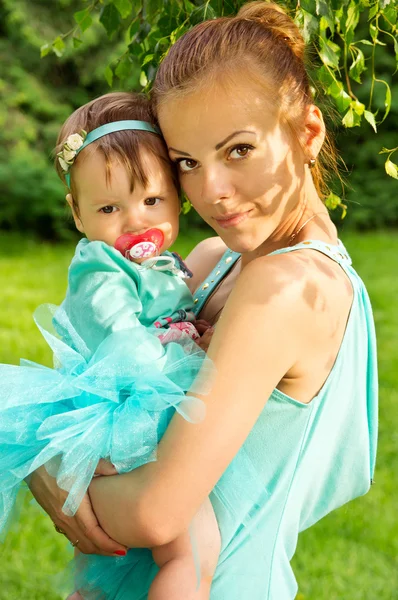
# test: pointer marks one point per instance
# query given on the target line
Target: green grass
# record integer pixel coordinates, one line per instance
(350, 555)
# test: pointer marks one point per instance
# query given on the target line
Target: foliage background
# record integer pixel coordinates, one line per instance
(37, 94)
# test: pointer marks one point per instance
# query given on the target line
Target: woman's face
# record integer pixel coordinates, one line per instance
(238, 165)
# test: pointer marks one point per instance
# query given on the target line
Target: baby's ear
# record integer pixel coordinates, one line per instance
(76, 218)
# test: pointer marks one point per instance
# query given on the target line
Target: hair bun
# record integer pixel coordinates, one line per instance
(274, 18)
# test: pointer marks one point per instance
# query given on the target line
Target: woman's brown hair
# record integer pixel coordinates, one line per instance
(126, 145)
(263, 41)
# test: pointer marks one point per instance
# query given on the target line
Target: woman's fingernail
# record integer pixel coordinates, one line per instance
(121, 552)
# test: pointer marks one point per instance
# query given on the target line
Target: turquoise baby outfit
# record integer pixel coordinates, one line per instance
(299, 462)
(115, 386)
(109, 293)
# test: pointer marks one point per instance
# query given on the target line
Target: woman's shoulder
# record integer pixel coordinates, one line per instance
(203, 258)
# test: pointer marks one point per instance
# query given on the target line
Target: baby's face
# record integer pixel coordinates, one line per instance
(109, 209)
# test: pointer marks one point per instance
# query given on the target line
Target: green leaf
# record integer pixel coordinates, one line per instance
(358, 66)
(83, 19)
(309, 6)
(370, 119)
(329, 53)
(152, 7)
(391, 169)
(358, 107)
(44, 50)
(202, 13)
(143, 79)
(373, 11)
(343, 100)
(387, 150)
(387, 101)
(333, 201)
(134, 29)
(391, 13)
(76, 42)
(351, 118)
(366, 42)
(108, 73)
(58, 46)
(110, 19)
(352, 16)
(147, 59)
(348, 120)
(124, 7)
(123, 69)
(373, 31)
(309, 26)
(185, 206)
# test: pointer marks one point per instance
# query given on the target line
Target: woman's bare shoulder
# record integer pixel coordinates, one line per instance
(203, 258)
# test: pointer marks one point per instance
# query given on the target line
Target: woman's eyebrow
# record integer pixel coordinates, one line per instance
(229, 137)
(179, 152)
(219, 145)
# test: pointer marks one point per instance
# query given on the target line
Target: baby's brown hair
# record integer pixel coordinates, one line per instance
(126, 145)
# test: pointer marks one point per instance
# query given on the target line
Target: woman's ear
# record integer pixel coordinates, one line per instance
(78, 223)
(314, 132)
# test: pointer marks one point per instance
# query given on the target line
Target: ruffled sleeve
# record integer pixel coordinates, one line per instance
(103, 294)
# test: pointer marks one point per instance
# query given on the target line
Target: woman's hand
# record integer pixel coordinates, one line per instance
(82, 530)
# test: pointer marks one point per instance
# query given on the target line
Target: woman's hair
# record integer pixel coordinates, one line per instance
(126, 145)
(264, 42)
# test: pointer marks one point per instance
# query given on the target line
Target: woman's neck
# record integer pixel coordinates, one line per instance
(309, 220)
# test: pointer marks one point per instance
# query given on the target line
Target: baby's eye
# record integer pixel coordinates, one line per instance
(107, 210)
(241, 151)
(186, 164)
(152, 201)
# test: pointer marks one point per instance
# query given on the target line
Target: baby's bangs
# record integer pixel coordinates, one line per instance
(132, 147)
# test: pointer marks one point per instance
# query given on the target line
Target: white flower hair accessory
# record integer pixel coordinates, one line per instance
(77, 141)
(70, 149)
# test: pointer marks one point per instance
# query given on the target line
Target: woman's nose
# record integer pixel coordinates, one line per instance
(217, 185)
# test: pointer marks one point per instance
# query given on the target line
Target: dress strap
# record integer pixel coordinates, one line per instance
(337, 253)
(208, 286)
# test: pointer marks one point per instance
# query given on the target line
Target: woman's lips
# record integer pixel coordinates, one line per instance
(232, 220)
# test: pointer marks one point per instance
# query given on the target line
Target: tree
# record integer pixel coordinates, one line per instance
(345, 63)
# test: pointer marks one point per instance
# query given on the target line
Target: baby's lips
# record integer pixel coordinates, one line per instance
(127, 241)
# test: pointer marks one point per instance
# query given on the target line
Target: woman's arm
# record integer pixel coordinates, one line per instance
(258, 340)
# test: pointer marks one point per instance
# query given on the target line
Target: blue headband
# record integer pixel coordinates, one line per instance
(77, 142)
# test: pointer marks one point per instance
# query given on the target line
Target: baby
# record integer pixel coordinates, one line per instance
(122, 338)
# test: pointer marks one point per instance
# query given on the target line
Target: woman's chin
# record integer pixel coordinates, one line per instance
(238, 242)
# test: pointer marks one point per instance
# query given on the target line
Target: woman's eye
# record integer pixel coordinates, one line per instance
(240, 151)
(108, 209)
(152, 201)
(186, 164)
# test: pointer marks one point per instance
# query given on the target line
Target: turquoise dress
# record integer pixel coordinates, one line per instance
(299, 462)
(115, 385)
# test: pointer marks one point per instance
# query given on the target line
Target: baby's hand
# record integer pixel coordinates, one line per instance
(205, 339)
(202, 326)
(104, 467)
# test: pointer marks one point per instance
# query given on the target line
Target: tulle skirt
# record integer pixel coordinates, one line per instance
(114, 404)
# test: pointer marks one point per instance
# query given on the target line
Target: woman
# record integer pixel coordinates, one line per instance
(290, 431)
